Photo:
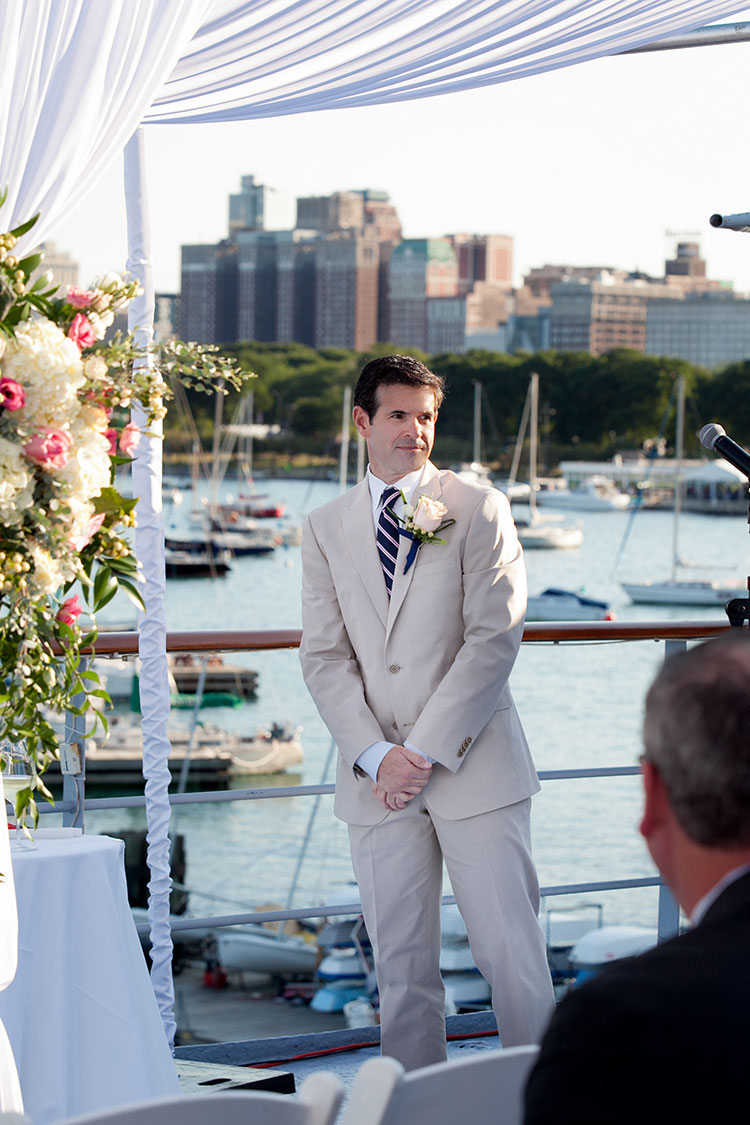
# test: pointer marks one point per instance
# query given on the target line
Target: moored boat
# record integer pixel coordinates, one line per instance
(566, 605)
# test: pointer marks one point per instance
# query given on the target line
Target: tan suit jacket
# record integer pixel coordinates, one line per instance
(432, 664)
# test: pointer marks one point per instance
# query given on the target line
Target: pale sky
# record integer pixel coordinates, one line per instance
(592, 164)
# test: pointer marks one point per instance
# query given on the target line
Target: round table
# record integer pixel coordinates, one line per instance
(80, 1013)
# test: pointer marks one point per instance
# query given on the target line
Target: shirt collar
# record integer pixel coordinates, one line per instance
(703, 904)
(408, 485)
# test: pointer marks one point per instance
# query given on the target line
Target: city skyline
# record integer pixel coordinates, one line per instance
(588, 166)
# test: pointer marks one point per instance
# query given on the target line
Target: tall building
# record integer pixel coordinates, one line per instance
(597, 316)
(422, 271)
(486, 258)
(198, 294)
(710, 329)
(346, 290)
(259, 207)
(344, 210)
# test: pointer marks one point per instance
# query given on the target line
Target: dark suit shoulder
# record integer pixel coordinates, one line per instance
(678, 1010)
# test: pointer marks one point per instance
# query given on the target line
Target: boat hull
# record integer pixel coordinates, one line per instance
(681, 593)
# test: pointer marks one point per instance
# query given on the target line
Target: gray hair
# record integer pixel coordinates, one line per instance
(696, 732)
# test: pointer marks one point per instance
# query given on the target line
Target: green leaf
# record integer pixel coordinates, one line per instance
(18, 231)
(28, 265)
(132, 593)
(105, 587)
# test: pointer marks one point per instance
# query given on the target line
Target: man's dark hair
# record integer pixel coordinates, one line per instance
(388, 370)
(696, 732)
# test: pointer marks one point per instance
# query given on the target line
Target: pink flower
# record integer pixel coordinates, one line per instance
(78, 542)
(129, 438)
(79, 298)
(69, 611)
(111, 436)
(12, 394)
(49, 449)
(81, 332)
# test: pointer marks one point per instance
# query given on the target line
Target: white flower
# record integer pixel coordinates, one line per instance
(16, 484)
(48, 366)
(2, 346)
(100, 322)
(88, 469)
(48, 573)
(428, 514)
(96, 368)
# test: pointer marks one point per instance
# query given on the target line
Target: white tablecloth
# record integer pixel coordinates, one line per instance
(81, 1014)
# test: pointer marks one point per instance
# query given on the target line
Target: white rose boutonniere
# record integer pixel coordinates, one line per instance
(422, 524)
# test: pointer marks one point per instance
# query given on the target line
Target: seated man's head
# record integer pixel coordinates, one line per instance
(696, 765)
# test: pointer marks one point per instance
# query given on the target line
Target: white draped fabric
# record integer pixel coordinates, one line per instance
(10, 1089)
(75, 80)
(78, 76)
(265, 58)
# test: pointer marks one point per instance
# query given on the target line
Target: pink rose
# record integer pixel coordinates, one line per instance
(111, 436)
(78, 542)
(12, 394)
(79, 298)
(81, 332)
(69, 611)
(129, 438)
(49, 449)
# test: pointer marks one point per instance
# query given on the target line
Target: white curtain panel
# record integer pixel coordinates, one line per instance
(75, 81)
(266, 58)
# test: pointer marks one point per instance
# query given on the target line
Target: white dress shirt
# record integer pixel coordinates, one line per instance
(370, 759)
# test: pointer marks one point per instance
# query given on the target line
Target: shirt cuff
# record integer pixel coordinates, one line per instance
(370, 759)
(411, 746)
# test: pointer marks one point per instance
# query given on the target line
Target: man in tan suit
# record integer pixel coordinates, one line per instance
(408, 663)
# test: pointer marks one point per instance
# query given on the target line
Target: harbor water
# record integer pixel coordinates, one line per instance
(581, 705)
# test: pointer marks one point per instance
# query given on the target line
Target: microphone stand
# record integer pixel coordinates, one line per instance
(738, 609)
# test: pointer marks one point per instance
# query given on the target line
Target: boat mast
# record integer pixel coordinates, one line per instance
(678, 458)
(477, 454)
(533, 429)
(344, 448)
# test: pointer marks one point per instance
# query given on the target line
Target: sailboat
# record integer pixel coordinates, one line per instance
(675, 590)
(475, 470)
(541, 531)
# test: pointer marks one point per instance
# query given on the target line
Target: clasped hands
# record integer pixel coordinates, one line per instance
(402, 775)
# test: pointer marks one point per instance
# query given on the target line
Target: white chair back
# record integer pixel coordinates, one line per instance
(486, 1086)
(317, 1103)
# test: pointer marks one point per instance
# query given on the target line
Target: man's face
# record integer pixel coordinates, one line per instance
(401, 433)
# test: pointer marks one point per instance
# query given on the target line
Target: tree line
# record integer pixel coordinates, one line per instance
(589, 406)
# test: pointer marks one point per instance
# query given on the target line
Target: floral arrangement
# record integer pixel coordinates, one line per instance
(423, 524)
(65, 396)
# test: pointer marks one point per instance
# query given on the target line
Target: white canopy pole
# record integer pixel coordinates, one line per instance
(149, 539)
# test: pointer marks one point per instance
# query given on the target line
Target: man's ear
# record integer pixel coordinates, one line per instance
(655, 800)
(361, 421)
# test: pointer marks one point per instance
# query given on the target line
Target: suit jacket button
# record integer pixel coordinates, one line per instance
(394, 668)
(395, 726)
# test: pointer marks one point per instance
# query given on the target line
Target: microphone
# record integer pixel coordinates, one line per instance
(714, 436)
(739, 222)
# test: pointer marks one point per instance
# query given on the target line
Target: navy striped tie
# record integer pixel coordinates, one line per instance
(387, 536)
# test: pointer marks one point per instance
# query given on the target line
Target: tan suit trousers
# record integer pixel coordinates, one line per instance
(399, 868)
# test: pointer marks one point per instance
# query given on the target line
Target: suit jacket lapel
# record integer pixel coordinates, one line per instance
(359, 531)
(402, 582)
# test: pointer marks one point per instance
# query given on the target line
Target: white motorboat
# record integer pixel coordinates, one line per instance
(213, 753)
(595, 494)
(256, 949)
(539, 534)
(566, 605)
(606, 944)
